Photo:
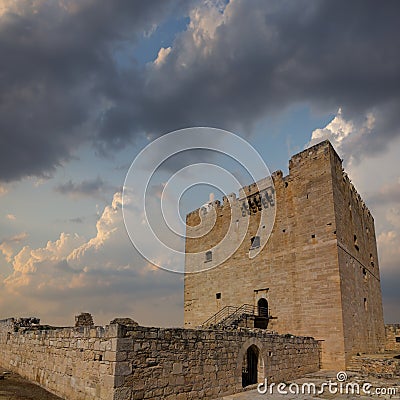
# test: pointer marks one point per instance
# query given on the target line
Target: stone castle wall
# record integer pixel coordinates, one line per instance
(303, 270)
(392, 337)
(176, 364)
(74, 363)
(124, 363)
(360, 284)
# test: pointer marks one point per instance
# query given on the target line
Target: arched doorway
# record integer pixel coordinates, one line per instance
(250, 366)
(262, 307)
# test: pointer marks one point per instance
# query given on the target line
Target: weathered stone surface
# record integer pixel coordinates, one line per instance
(203, 364)
(63, 361)
(151, 363)
(84, 319)
(124, 321)
(392, 337)
(318, 271)
(377, 365)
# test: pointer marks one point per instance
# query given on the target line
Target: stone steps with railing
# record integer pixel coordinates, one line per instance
(234, 317)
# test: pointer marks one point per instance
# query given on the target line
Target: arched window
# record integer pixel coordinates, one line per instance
(262, 307)
(209, 256)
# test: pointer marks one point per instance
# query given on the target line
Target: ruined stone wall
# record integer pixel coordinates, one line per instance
(133, 362)
(74, 363)
(6, 325)
(302, 270)
(178, 364)
(392, 337)
(381, 366)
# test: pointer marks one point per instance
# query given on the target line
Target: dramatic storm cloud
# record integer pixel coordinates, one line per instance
(63, 82)
(58, 70)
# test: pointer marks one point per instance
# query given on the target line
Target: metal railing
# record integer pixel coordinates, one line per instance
(231, 315)
(219, 316)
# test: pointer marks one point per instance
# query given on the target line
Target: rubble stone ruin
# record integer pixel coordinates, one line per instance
(84, 319)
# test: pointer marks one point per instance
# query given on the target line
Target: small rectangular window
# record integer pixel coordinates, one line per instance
(218, 296)
(208, 256)
(397, 339)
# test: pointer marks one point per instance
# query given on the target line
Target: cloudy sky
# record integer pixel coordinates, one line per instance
(86, 84)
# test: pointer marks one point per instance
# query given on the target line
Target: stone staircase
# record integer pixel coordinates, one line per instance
(245, 316)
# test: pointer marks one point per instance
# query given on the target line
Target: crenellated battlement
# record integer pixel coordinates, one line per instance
(250, 199)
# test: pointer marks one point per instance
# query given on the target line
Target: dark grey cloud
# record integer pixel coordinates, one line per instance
(391, 294)
(269, 55)
(54, 66)
(60, 83)
(91, 187)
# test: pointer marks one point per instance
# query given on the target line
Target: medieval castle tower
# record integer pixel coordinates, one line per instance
(318, 272)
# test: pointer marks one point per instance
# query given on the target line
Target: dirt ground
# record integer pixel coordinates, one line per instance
(13, 387)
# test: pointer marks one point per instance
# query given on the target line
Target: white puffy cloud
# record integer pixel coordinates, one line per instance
(336, 131)
(204, 21)
(104, 275)
(162, 56)
(106, 226)
(7, 245)
(340, 131)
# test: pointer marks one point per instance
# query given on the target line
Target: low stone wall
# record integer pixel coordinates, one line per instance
(74, 363)
(196, 364)
(124, 363)
(380, 366)
(392, 337)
